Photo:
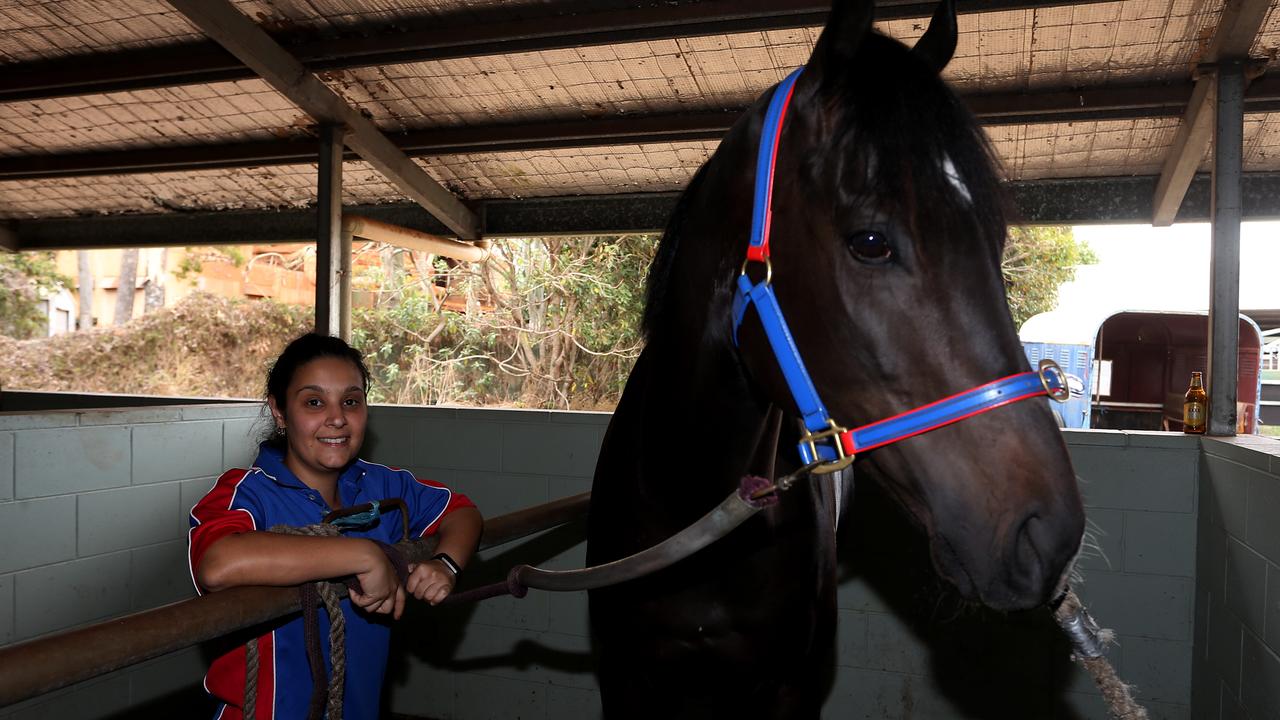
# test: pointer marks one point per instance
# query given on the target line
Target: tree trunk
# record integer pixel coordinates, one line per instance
(85, 289)
(153, 291)
(125, 286)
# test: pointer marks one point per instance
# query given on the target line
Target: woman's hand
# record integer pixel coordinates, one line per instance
(431, 581)
(382, 590)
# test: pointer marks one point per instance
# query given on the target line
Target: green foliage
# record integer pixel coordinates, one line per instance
(551, 322)
(232, 253)
(1036, 261)
(26, 278)
(189, 268)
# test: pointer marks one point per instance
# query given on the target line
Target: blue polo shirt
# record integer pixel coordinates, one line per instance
(266, 495)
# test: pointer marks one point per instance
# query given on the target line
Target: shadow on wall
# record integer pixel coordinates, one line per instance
(990, 665)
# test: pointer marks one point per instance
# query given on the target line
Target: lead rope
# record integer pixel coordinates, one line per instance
(326, 699)
(1088, 641)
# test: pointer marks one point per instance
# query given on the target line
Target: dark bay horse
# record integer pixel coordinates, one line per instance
(887, 230)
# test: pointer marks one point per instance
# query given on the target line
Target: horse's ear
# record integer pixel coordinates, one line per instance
(938, 44)
(848, 23)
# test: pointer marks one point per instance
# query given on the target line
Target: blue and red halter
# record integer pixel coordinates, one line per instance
(826, 444)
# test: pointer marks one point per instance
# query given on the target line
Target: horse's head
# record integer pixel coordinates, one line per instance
(887, 236)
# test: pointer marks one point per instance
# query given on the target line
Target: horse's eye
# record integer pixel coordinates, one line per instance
(870, 246)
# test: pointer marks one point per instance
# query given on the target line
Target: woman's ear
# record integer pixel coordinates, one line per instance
(276, 413)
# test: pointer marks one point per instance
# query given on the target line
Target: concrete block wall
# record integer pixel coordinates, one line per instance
(1237, 647)
(101, 478)
(93, 525)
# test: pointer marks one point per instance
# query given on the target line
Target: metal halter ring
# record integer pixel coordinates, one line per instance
(1051, 375)
(834, 431)
(768, 269)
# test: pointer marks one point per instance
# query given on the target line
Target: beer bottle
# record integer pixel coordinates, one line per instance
(1195, 407)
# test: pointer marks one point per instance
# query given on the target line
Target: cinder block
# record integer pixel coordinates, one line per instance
(37, 532)
(490, 697)
(60, 596)
(578, 703)
(520, 615)
(563, 487)
(1240, 449)
(37, 421)
(566, 660)
(551, 449)
(582, 417)
(855, 594)
(1161, 669)
(1160, 543)
(127, 518)
(1086, 706)
(1095, 438)
(130, 416)
(1167, 711)
(1106, 534)
(851, 639)
(239, 443)
(418, 689)
(458, 445)
(892, 647)
(1246, 588)
(1260, 686)
(6, 609)
(495, 493)
(1228, 483)
(69, 460)
(567, 613)
(389, 440)
(1211, 561)
(1264, 498)
(867, 695)
(6, 466)
(1136, 478)
(1155, 606)
(1231, 707)
(1206, 690)
(223, 411)
(94, 700)
(176, 451)
(160, 575)
(1225, 647)
(1271, 614)
(172, 673)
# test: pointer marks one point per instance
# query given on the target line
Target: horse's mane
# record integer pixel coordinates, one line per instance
(895, 130)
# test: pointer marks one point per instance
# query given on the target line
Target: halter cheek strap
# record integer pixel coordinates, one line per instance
(825, 441)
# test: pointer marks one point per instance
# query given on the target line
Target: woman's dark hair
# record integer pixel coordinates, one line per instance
(300, 352)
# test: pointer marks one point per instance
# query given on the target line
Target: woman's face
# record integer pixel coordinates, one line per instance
(324, 417)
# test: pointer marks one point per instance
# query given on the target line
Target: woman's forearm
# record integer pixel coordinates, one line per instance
(459, 533)
(263, 558)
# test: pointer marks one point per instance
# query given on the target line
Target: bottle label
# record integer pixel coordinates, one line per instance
(1193, 414)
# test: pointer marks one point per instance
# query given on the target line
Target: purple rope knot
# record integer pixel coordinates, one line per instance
(516, 588)
(752, 484)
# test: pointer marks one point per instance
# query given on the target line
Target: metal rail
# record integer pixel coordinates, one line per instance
(39, 666)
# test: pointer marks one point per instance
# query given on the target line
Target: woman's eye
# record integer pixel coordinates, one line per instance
(353, 402)
(870, 246)
(313, 402)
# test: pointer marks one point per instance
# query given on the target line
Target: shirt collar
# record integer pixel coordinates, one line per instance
(271, 462)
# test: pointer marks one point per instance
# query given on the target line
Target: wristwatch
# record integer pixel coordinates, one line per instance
(449, 562)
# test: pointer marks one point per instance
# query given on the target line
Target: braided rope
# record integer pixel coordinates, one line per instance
(1088, 641)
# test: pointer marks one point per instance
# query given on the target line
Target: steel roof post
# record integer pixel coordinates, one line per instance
(1224, 281)
(333, 254)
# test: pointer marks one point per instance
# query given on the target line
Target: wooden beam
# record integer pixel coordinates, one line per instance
(8, 237)
(1239, 27)
(220, 20)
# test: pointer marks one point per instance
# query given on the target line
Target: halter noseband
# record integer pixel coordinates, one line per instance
(825, 443)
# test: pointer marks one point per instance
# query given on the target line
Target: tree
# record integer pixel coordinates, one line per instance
(85, 288)
(1036, 261)
(125, 286)
(26, 279)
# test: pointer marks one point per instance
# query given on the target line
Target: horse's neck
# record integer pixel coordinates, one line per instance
(700, 414)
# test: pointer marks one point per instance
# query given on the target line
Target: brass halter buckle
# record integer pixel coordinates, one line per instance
(1050, 368)
(768, 269)
(812, 439)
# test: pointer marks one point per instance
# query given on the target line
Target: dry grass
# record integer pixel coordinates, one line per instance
(204, 346)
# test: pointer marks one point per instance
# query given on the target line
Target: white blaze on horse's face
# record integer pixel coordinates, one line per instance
(953, 176)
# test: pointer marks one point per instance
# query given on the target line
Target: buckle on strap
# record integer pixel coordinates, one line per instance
(1054, 381)
(823, 462)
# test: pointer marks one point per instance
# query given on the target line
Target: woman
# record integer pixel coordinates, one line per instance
(307, 467)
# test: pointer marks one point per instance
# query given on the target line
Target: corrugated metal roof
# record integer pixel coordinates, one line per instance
(1084, 45)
